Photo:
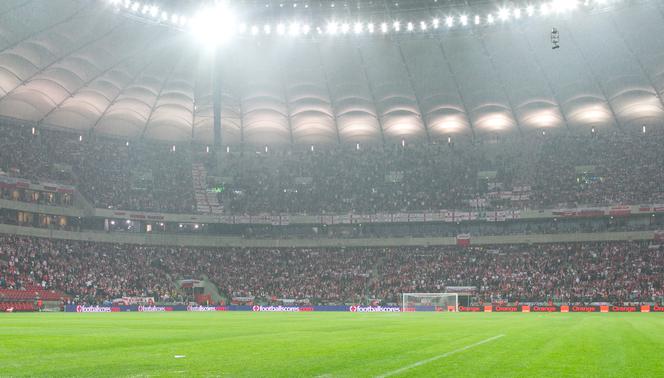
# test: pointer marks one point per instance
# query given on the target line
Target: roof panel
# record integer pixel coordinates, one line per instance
(77, 65)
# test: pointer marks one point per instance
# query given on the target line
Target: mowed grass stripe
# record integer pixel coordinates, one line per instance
(331, 344)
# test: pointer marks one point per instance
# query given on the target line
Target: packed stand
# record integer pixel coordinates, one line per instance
(568, 273)
(516, 171)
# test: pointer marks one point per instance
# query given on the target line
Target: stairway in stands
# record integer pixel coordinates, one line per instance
(206, 202)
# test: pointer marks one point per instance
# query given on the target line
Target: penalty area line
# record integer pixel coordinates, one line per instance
(423, 362)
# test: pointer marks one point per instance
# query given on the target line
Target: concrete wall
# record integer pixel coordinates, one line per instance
(217, 241)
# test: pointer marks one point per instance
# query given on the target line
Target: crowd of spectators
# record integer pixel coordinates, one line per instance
(568, 273)
(519, 171)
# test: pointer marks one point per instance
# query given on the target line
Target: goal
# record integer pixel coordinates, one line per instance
(441, 301)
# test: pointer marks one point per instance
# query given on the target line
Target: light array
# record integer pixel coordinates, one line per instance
(220, 24)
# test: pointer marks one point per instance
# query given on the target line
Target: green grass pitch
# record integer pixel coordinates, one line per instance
(332, 344)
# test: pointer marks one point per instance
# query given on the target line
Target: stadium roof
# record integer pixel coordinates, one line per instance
(81, 65)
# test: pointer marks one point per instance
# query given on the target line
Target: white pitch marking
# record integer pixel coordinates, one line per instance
(179, 356)
(420, 363)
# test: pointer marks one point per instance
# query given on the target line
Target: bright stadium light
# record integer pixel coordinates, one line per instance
(383, 27)
(504, 14)
(294, 29)
(357, 29)
(213, 26)
(564, 5)
(332, 28)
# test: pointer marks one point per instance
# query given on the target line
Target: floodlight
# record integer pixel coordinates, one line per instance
(370, 28)
(449, 21)
(383, 27)
(154, 11)
(564, 5)
(544, 9)
(530, 10)
(396, 26)
(345, 28)
(267, 29)
(504, 14)
(305, 29)
(423, 25)
(213, 26)
(517, 13)
(281, 29)
(294, 29)
(463, 19)
(358, 28)
(477, 19)
(410, 26)
(489, 19)
(135, 6)
(332, 28)
(435, 23)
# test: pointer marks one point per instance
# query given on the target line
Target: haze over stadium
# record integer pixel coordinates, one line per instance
(389, 175)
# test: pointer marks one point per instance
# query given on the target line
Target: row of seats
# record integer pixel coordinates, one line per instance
(31, 294)
(16, 306)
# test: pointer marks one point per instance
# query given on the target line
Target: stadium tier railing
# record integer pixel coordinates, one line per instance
(220, 241)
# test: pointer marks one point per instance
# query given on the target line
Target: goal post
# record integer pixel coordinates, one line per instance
(441, 301)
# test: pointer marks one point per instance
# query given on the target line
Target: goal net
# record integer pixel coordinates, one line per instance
(441, 301)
